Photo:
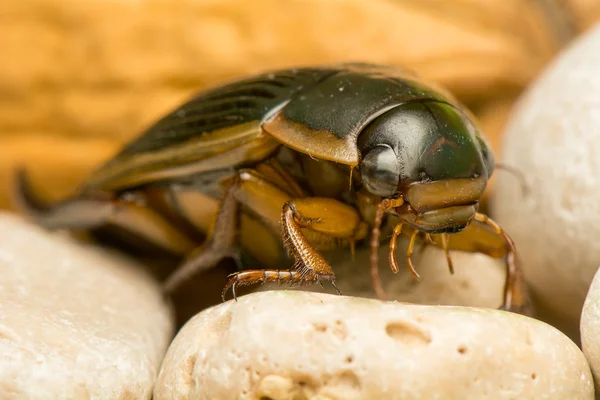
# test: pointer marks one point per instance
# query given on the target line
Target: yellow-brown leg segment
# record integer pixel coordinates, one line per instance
(409, 252)
(393, 244)
(323, 215)
(484, 236)
(289, 277)
(515, 294)
(95, 210)
(382, 207)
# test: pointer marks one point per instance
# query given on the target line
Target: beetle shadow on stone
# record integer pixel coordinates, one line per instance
(195, 295)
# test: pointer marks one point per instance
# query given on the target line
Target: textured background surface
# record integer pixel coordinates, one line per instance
(77, 79)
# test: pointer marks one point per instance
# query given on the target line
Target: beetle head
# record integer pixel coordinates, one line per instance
(431, 154)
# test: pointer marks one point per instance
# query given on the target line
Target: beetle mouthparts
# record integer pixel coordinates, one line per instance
(449, 193)
(443, 220)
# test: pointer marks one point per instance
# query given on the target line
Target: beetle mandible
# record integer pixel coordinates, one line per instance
(314, 157)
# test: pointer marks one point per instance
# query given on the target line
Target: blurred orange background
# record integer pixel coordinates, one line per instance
(78, 79)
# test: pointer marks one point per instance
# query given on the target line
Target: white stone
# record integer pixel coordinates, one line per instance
(553, 138)
(590, 328)
(285, 345)
(478, 280)
(76, 322)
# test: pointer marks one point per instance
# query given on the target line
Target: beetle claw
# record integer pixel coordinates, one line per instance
(335, 287)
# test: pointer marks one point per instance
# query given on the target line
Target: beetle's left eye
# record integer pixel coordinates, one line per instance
(380, 171)
(488, 155)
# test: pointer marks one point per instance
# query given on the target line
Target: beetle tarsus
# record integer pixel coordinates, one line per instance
(262, 276)
(307, 258)
(26, 197)
(335, 287)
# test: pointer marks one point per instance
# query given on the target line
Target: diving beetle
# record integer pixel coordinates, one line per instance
(312, 158)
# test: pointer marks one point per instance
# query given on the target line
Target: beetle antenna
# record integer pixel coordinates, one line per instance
(517, 174)
(350, 183)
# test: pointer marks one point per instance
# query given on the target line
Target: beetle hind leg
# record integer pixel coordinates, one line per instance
(77, 212)
(90, 211)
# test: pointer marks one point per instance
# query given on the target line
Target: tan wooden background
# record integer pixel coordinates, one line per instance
(79, 78)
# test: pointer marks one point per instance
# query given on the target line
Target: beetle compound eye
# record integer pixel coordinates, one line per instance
(380, 171)
(488, 155)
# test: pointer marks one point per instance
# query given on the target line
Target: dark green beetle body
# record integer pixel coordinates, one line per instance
(315, 157)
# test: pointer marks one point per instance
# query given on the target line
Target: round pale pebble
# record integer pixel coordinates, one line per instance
(590, 328)
(553, 138)
(75, 322)
(284, 345)
(478, 280)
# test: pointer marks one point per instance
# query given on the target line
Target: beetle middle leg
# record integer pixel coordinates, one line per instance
(309, 220)
(307, 225)
(322, 215)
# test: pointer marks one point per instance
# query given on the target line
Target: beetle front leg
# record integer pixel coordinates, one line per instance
(515, 294)
(483, 235)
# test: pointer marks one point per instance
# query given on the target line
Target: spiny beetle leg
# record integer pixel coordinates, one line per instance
(515, 293)
(261, 276)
